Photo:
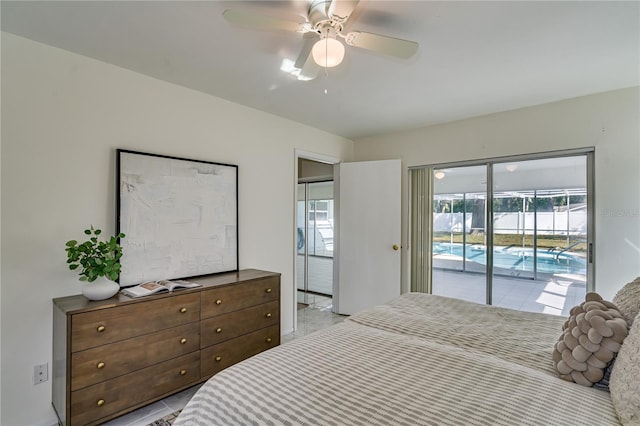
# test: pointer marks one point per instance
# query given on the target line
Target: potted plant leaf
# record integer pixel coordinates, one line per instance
(98, 262)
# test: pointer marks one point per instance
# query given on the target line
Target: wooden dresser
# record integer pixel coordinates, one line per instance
(114, 356)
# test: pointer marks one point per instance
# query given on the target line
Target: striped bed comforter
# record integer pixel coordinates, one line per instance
(418, 360)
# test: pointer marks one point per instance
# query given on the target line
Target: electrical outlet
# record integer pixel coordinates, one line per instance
(40, 373)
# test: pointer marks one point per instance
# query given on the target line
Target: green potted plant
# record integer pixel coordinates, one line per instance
(98, 263)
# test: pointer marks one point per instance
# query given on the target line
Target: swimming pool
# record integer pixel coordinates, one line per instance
(518, 258)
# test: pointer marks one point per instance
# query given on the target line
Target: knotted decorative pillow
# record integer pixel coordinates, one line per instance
(591, 338)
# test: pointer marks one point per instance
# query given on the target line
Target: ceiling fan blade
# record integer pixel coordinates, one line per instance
(340, 10)
(310, 69)
(305, 63)
(309, 40)
(260, 22)
(397, 47)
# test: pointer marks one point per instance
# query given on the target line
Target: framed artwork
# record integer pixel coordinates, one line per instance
(180, 217)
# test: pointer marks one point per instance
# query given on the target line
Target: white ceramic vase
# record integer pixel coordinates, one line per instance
(100, 289)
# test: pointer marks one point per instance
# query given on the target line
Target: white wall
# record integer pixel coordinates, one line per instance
(608, 121)
(63, 116)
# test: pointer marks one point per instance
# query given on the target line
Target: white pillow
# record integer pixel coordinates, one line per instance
(627, 299)
(624, 384)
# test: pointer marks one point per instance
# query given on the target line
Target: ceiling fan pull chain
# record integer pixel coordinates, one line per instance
(326, 49)
(326, 80)
(326, 66)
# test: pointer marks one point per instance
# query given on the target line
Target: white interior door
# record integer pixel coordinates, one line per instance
(367, 234)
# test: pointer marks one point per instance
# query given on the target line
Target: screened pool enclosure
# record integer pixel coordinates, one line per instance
(534, 232)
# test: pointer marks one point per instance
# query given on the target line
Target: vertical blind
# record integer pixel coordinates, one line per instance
(420, 228)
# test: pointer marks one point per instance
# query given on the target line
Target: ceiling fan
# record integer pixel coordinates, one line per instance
(322, 31)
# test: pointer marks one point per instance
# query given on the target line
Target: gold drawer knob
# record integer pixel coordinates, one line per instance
(218, 302)
(268, 315)
(218, 358)
(100, 365)
(183, 341)
(100, 328)
(183, 372)
(100, 402)
(218, 330)
(183, 310)
(268, 290)
(268, 340)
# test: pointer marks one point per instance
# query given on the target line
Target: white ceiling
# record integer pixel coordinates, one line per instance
(474, 57)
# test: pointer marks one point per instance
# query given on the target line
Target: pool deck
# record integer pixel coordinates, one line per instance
(555, 295)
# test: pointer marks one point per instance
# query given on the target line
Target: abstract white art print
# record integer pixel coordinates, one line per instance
(180, 217)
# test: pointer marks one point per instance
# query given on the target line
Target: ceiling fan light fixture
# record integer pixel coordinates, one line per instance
(328, 52)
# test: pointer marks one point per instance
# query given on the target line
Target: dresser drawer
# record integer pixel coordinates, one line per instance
(109, 397)
(216, 358)
(221, 300)
(227, 326)
(103, 326)
(105, 362)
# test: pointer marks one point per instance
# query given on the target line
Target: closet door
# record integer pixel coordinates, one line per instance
(314, 227)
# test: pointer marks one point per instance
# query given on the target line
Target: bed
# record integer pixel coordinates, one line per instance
(417, 360)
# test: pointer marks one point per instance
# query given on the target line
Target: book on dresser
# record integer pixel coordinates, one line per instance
(153, 287)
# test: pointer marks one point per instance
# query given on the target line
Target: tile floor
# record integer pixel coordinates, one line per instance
(555, 294)
(316, 316)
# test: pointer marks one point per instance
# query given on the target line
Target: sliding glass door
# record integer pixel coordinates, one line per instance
(540, 233)
(510, 233)
(459, 237)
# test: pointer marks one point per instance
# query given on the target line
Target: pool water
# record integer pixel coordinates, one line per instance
(518, 258)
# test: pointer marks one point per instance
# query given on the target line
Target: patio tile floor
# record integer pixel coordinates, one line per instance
(555, 295)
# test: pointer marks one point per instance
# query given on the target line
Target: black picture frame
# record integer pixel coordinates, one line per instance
(179, 216)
